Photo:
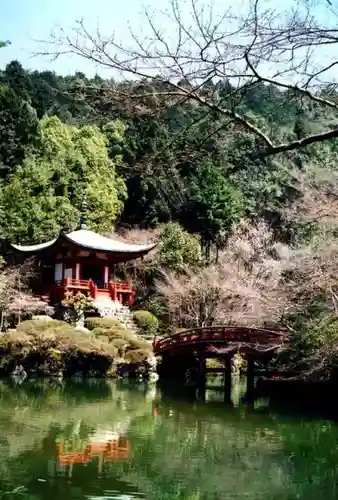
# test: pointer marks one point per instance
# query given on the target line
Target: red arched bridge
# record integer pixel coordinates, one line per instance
(187, 351)
(224, 340)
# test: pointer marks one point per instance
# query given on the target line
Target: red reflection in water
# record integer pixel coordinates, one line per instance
(116, 449)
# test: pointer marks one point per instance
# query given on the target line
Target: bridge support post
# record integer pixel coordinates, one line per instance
(201, 382)
(250, 380)
(227, 379)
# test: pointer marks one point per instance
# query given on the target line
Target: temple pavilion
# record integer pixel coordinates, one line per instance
(82, 261)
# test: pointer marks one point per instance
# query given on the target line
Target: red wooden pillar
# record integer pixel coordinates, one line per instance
(93, 289)
(131, 299)
(112, 289)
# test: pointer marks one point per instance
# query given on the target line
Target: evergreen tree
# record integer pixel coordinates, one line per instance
(214, 204)
(46, 193)
(18, 129)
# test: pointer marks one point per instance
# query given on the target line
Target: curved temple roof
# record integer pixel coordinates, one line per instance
(91, 240)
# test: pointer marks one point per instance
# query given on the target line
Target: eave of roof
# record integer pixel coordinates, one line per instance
(34, 248)
(85, 238)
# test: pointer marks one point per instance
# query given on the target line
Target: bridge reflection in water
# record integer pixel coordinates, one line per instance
(184, 354)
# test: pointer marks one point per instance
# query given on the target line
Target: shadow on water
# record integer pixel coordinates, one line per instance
(311, 399)
(314, 401)
(121, 440)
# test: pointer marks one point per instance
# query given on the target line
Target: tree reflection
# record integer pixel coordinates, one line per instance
(68, 442)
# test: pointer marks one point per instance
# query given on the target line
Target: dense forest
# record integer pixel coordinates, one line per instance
(160, 163)
(243, 238)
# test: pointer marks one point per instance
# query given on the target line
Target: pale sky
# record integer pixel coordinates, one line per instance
(23, 21)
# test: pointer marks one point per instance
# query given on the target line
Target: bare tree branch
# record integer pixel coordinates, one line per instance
(243, 288)
(292, 50)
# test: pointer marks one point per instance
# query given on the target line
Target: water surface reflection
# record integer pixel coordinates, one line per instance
(122, 441)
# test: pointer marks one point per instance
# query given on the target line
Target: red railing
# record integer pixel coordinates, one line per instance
(221, 335)
(122, 292)
(76, 284)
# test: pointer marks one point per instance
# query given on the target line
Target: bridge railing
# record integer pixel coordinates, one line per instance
(221, 334)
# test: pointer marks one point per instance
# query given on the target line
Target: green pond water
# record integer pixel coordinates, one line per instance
(121, 441)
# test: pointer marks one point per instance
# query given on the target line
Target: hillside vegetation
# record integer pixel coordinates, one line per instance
(242, 238)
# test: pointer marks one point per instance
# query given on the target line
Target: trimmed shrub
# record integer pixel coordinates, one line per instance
(127, 335)
(110, 333)
(50, 347)
(114, 333)
(106, 323)
(120, 345)
(35, 326)
(137, 343)
(99, 332)
(146, 322)
(136, 356)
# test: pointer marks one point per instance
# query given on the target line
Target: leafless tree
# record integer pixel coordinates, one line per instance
(243, 288)
(317, 203)
(256, 281)
(24, 303)
(190, 44)
(313, 262)
(15, 298)
(313, 275)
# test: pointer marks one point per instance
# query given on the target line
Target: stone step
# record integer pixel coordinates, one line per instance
(110, 309)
